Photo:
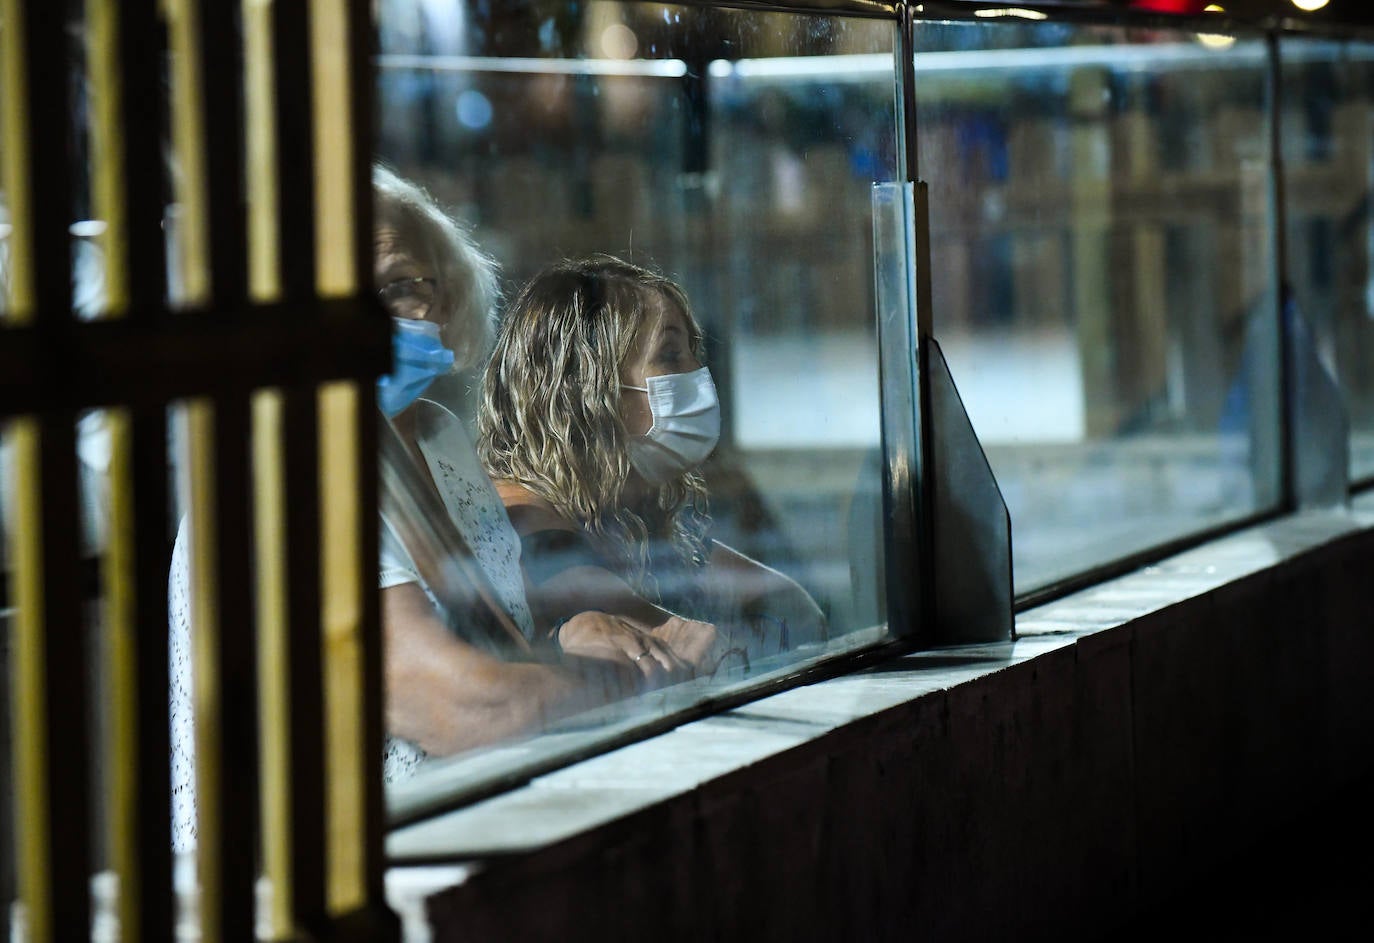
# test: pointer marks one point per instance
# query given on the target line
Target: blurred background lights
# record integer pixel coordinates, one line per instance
(1213, 40)
(618, 41)
(86, 228)
(1011, 11)
(474, 110)
(1307, 6)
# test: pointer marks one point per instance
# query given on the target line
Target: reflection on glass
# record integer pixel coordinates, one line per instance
(1328, 160)
(1102, 280)
(660, 475)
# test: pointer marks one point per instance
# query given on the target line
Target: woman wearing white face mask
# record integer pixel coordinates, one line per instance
(596, 414)
(443, 695)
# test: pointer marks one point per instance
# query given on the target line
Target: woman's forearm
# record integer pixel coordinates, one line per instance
(448, 696)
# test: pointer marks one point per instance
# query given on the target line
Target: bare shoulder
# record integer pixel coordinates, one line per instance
(529, 512)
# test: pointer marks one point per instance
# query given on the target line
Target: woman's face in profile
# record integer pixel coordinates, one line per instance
(405, 282)
(662, 346)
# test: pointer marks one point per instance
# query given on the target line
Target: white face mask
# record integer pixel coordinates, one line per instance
(686, 425)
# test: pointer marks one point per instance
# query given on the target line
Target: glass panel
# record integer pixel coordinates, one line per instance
(1102, 281)
(731, 154)
(1328, 155)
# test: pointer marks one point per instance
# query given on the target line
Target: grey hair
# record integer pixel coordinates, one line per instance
(467, 290)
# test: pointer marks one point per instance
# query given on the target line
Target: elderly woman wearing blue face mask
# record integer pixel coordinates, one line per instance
(596, 414)
(443, 694)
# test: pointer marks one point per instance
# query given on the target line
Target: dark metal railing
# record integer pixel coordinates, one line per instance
(271, 350)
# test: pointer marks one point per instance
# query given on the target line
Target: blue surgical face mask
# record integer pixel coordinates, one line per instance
(419, 357)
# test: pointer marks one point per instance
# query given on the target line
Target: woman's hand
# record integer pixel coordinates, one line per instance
(608, 637)
(700, 644)
(449, 696)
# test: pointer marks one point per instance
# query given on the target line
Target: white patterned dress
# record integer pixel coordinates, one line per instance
(477, 513)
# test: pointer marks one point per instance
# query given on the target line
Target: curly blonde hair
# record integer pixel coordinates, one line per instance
(550, 414)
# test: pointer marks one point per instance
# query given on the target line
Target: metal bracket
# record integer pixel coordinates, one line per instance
(972, 575)
(946, 527)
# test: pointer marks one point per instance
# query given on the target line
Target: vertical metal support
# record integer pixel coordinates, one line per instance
(51, 743)
(285, 458)
(125, 53)
(1276, 332)
(341, 44)
(197, 462)
(271, 570)
(965, 533)
(233, 821)
(207, 83)
(922, 607)
(346, 765)
(379, 922)
(907, 149)
(903, 587)
(336, 275)
(227, 828)
(1315, 439)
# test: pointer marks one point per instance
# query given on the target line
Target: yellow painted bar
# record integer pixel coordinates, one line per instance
(16, 163)
(264, 275)
(334, 157)
(107, 156)
(346, 765)
(32, 857)
(126, 691)
(274, 692)
(264, 284)
(191, 254)
(32, 812)
(206, 705)
(107, 161)
(188, 131)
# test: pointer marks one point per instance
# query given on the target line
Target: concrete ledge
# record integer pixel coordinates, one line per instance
(1132, 735)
